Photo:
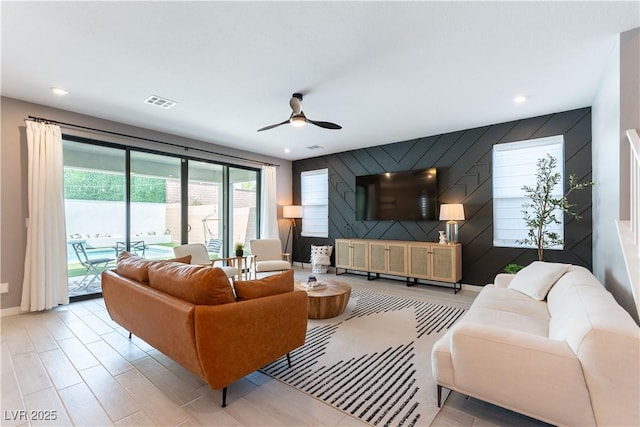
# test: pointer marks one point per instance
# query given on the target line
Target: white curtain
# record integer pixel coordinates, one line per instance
(45, 264)
(268, 205)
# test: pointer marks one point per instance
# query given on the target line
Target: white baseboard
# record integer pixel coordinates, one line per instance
(10, 311)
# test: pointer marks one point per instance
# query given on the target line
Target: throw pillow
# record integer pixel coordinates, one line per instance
(133, 267)
(136, 268)
(197, 284)
(321, 250)
(271, 285)
(536, 279)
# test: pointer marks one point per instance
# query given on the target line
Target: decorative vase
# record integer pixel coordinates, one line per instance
(239, 252)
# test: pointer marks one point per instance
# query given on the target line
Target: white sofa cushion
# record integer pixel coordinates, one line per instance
(536, 279)
(508, 300)
(505, 308)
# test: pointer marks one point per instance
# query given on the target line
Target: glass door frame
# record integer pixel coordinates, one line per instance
(226, 197)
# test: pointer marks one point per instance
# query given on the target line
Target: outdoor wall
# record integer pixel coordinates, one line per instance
(13, 178)
(91, 217)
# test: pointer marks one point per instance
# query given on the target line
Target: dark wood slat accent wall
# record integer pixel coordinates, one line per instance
(463, 160)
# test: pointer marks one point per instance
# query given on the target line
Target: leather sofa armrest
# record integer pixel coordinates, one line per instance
(236, 339)
(502, 280)
(531, 374)
(163, 321)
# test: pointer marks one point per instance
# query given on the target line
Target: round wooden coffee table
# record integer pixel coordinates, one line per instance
(328, 301)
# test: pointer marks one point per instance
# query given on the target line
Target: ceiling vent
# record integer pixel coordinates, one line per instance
(315, 147)
(160, 102)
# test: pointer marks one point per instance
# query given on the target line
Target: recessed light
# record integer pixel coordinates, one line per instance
(286, 150)
(59, 91)
(520, 99)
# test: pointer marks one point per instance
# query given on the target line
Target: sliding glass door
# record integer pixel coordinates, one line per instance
(155, 208)
(95, 206)
(118, 199)
(206, 206)
(243, 203)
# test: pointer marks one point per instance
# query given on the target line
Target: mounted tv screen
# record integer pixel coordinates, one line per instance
(397, 196)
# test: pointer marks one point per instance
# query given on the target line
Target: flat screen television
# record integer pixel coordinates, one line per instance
(397, 196)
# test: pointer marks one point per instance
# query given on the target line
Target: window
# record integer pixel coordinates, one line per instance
(514, 165)
(314, 187)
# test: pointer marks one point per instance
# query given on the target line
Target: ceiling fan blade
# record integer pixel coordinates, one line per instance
(326, 125)
(296, 103)
(273, 126)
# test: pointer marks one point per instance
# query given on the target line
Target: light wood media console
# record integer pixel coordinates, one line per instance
(413, 260)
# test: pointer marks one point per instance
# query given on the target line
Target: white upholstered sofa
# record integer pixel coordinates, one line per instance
(567, 357)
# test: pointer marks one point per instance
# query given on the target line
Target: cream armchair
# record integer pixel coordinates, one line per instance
(268, 256)
(200, 255)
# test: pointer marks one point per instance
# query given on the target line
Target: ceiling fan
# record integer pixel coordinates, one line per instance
(298, 119)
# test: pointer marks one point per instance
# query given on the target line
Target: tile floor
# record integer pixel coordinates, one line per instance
(76, 365)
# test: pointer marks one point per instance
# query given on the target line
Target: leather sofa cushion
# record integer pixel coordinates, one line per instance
(137, 268)
(271, 285)
(200, 285)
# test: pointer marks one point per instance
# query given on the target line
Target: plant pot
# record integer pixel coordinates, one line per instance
(239, 252)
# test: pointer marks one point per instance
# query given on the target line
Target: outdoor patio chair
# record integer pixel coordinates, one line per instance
(138, 247)
(214, 246)
(94, 266)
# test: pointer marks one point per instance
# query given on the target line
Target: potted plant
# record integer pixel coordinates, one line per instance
(239, 248)
(541, 209)
(513, 268)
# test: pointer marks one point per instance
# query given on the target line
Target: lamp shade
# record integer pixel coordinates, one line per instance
(293, 211)
(452, 212)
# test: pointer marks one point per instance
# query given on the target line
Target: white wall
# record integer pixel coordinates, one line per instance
(608, 262)
(629, 108)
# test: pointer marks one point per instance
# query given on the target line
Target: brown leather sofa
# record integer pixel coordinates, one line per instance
(193, 315)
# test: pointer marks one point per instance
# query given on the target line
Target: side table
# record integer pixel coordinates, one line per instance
(328, 301)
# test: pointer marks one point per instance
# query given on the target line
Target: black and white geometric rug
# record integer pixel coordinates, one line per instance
(374, 360)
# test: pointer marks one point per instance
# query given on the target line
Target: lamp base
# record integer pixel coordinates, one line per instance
(452, 232)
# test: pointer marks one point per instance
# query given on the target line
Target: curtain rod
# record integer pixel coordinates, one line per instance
(43, 120)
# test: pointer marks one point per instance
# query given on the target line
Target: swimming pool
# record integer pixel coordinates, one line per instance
(151, 252)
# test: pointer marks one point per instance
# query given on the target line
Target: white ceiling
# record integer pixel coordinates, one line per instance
(385, 71)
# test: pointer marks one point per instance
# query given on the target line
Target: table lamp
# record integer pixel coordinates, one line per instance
(452, 213)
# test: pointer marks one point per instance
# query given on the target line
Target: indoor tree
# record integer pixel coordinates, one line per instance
(541, 209)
